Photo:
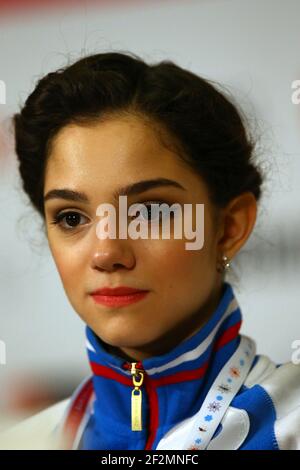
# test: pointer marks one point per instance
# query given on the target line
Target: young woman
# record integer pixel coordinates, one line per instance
(169, 367)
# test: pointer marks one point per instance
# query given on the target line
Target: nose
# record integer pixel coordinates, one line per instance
(112, 254)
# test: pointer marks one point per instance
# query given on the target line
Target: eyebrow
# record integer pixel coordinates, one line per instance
(129, 190)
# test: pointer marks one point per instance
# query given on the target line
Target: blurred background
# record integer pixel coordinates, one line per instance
(252, 48)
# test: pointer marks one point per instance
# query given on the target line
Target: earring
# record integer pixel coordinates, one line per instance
(225, 264)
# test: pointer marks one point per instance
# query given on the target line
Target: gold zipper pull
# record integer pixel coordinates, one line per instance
(136, 398)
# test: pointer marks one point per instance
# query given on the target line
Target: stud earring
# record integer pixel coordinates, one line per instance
(225, 264)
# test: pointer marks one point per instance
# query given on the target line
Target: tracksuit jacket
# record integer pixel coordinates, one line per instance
(263, 415)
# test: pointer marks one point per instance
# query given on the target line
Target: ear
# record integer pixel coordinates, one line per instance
(237, 223)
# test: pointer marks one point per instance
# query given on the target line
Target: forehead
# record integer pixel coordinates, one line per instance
(125, 142)
(113, 152)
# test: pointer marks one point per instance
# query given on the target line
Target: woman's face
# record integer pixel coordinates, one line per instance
(184, 285)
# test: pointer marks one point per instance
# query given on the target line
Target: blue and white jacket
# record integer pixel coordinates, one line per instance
(263, 415)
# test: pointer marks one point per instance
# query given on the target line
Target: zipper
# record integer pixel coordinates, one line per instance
(136, 397)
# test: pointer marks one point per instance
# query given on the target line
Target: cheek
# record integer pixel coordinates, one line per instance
(68, 264)
(182, 278)
(172, 263)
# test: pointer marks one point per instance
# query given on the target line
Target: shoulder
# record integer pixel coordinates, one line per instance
(37, 431)
(282, 384)
(44, 430)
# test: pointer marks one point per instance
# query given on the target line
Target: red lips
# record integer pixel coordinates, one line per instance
(121, 290)
(119, 296)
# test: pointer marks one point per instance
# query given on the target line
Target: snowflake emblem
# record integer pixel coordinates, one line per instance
(214, 406)
(234, 372)
(208, 418)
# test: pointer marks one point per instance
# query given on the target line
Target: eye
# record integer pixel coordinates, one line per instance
(71, 218)
(154, 210)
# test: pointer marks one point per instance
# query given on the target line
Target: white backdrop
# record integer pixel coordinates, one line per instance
(250, 47)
